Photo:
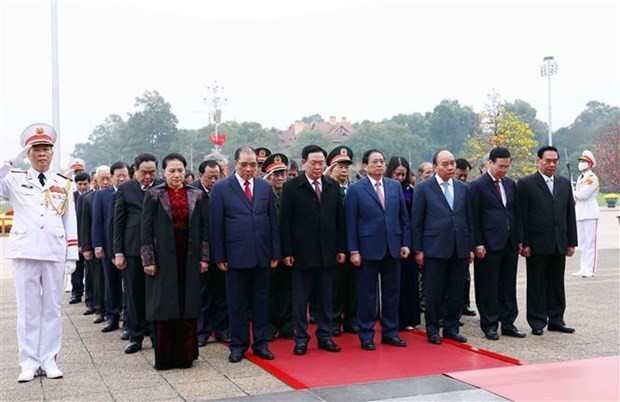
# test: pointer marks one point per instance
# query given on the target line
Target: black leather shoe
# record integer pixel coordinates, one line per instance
(394, 341)
(202, 342)
(301, 348)
(455, 337)
(467, 310)
(125, 335)
(328, 345)
(99, 318)
(75, 300)
(561, 328)
(491, 335)
(461, 323)
(133, 347)
(537, 331)
(368, 345)
(88, 311)
(264, 354)
(434, 339)
(513, 332)
(235, 357)
(222, 338)
(110, 326)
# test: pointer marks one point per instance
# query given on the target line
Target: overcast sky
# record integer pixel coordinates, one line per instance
(280, 60)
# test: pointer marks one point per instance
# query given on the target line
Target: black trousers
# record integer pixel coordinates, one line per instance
(135, 292)
(77, 278)
(302, 285)
(247, 294)
(113, 286)
(345, 296)
(546, 298)
(281, 301)
(213, 308)
(95, 270)
(444, 280)
(495, 280)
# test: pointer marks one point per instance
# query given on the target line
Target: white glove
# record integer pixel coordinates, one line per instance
(70, 267)
(19, 158)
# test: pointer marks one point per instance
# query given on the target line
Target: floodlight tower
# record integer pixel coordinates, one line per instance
(547, 69)
(216, 99)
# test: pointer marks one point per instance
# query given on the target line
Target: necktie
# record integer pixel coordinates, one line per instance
(317, 189)
(248, 193)
(446, 193)
(42, 179)
(499, 190)
(380, 194)
(550, 185)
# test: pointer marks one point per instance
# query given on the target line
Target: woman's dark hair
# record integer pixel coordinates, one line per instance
(395, 162)
(171, 157)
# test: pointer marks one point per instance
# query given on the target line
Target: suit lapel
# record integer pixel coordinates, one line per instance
(370, 189)
(165, 201)
(491, 185)
(439, 192)
(236, 189)
(541, 183)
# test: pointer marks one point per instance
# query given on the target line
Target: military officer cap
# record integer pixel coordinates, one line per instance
(340, 154)
(588, 156)
(261, 154)
(77, 164)
(274, 163)
(37, 134)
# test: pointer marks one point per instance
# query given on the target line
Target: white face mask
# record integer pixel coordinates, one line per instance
(583, 166)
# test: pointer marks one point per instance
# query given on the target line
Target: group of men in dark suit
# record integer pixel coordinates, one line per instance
(308, 225)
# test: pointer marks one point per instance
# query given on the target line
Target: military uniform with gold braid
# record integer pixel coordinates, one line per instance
(42, 246)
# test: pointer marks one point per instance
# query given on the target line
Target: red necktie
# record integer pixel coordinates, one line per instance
(248, 193)
(317, 190)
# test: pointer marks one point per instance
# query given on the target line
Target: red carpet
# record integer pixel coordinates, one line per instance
(352, 365)
(580, 380)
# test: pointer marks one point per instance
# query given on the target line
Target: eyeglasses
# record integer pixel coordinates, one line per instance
(377, 162)
(248, 164)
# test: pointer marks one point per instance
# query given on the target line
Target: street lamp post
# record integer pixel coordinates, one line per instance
(547, 69)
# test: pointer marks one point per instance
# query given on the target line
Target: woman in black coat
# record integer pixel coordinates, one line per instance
(174, 253)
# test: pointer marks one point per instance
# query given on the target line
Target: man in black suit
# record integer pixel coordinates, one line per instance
(494, 204)
(313, 244)
(94, 269)
(126, 243)
(82, 184)
(549, 235)
(213, 308)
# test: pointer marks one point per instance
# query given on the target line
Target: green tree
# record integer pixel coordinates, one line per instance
(449, 125)
(312, 118)
(527, 114)
(104, 143)
(607, 154)
(499, 127)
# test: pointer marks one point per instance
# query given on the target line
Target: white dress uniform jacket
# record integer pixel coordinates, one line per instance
(586, 191)
(44, 223)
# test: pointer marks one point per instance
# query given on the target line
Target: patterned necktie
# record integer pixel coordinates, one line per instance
(42, 179)
(380, 194)
(317, 189)
(248, 192)
(446, 193)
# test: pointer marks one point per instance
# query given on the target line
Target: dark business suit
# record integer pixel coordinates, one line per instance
(495, 227)
(127, 222)
(94, 269)
(213, 309)
(245, 235)
(444, 235)
(103, 211)
(312, 232)
(378, 234)
(548, 228)
(78, 286)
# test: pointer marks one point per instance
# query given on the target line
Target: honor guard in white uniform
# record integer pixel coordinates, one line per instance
(42, 246)
(587, 214)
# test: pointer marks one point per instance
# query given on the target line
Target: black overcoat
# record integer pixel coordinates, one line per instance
(158, 248)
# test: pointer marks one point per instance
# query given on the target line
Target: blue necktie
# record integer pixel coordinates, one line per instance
(447, 194)
(550, 185)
